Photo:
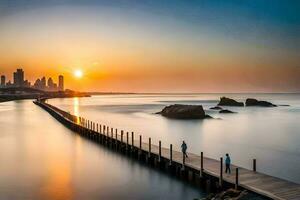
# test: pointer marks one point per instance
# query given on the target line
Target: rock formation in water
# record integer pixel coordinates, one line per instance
(216, 108)
(255, 102)
(179, 111)
(226, 111)
(224, 101)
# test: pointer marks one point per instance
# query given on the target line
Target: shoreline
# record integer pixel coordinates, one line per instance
(14, 97)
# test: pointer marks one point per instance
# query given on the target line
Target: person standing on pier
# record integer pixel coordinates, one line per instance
(184, 148)
(227, 163)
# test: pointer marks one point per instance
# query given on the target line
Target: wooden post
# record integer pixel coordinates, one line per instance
(149, 152)
(236, 178)
(127, 138)
(171, 154)
(132, 141)
(159, 151)
(122, 132)
(116, 138)
(112, 137)
(107, 132)
(140, 143)
(97, 128)
(221, 172)
(104, 134)
(183, 161)
(100, 128)
(201, 167)
(254, 165)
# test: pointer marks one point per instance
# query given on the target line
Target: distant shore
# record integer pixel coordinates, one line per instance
(12, 94)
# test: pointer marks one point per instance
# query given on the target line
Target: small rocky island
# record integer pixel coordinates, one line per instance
(255, 102)
(180, 111)
(216, 108)
(224, 101)
(225, 111)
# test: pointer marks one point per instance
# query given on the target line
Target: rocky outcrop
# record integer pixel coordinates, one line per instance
(255, 102)
(226, 111)
(179, 111)
(224, 101)
(216, 108)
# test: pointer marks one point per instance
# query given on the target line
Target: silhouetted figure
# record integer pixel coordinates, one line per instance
(227, 163)
(184, 148)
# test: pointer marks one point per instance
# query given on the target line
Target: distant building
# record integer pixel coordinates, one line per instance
(43, 83)
(27, 83)
(60, 83)
(9, 84)
(19, 78)
(50, 83)
(2, 81)
(37, 84)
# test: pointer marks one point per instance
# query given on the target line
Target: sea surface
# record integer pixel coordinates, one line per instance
(40, 159)
(270, 135)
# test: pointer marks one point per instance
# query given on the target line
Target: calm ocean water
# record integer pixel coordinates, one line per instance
(41, 159)
(271, 135)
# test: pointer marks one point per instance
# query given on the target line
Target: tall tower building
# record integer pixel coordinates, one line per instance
(19, 78)
(60, 83)
(43, 83)
(2, 81)
(50, 84)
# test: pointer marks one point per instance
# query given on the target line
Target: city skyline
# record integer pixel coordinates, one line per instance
(43, 83)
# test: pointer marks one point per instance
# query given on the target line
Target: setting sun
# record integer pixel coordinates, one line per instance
(78, 73)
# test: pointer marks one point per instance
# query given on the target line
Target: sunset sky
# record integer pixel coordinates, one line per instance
(155, 46)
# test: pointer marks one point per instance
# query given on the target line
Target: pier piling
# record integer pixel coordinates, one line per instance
(132, 141)
(254, 165)
(171, 154)
(201, 165)
(149, 152)
(221, 173)
(236, 178)
(159, 151)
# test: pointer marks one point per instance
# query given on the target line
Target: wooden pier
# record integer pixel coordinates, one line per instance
(197, 168)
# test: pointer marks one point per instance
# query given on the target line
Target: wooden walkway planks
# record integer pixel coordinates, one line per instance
(263, 184)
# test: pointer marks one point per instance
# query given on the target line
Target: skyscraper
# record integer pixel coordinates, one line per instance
(2, 81)
(19, 78)
(43, 83)
(60, 83)
(50, 83)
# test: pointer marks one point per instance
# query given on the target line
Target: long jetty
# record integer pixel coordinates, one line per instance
(207, 172)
